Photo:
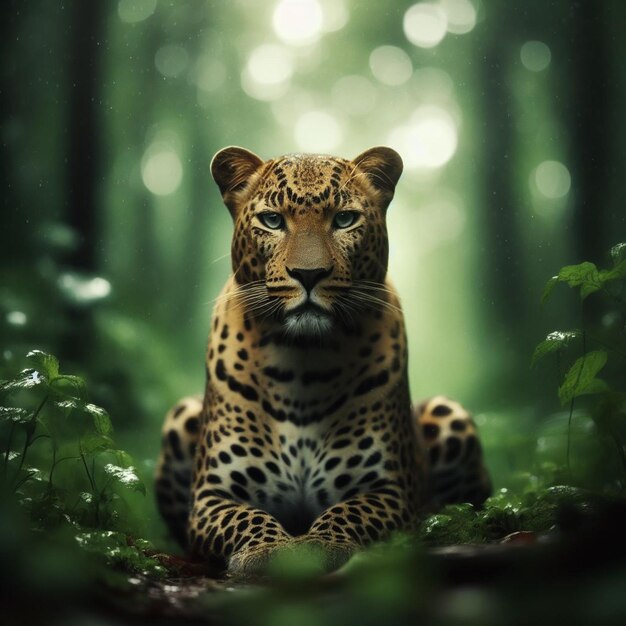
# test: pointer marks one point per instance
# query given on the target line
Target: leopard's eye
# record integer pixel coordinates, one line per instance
(345, 219)
(272, 220)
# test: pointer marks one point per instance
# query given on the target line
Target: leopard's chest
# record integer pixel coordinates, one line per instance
(310, 471)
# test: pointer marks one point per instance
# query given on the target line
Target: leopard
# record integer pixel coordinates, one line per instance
(305, 436)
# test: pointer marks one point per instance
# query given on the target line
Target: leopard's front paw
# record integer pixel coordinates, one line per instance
(312, 555)
(252, 562)
(304, 556)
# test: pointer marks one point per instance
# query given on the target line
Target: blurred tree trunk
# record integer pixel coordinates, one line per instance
(83, 157)
(587, 112)
(501, 249)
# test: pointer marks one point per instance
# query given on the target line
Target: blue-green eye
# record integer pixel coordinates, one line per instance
(272, 220)
(345, 219)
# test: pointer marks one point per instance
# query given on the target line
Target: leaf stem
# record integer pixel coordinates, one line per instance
(28, 440)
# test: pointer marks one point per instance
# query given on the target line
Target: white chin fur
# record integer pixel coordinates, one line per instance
(309, 323)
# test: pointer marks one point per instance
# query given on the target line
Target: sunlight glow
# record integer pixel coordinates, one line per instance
(267, 73)
(161, 170)
(552, 179)
(425, 24)
(535, 56)
(317, 131)
(132, 11)
(335, 15)
(461, 16)
(298, 22)
(428, 141)
(391, 65)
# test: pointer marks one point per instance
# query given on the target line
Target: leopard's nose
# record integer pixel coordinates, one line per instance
(309, 278)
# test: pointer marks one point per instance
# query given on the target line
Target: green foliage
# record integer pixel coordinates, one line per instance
(587, 276)
(60, 464)
(539, 509)
(581, 378)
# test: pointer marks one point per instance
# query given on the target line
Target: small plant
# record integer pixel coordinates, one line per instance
(602, 349)
(60, 465)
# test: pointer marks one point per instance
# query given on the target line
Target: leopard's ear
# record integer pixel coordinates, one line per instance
(232, 168)
(383, 167)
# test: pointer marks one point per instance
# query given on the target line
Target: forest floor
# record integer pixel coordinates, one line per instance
(569, 577)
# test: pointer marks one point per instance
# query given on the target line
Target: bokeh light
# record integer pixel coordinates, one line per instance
(16, 318)
(460, 14)
(535, 56)
(132, 11)
(354, 94)
(425, 24)
(161, 170)
(552, 179)
(267, 72)
(335, 15)
(428, 141)
(298, 22)
(82, 289)
(317, 131)
(391, 65)
(171, 60)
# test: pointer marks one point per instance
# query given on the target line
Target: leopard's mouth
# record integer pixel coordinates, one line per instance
(308, 319)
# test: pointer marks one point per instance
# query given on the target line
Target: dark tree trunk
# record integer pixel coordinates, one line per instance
(589, 120)
(83, 149)
(501, 250)
(83, 152)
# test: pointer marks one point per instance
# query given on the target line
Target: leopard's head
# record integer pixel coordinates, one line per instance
(310, 242)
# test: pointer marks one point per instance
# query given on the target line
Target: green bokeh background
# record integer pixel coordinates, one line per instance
(105, 103)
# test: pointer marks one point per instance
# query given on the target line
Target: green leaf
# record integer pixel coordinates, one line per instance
(26, 379)
(617, 252)
(96, 444)
(44, 363)
(548, 289)
(125, 476)
(70, 386)
(581, 377)
(123, 458)
(101, 419)
(15, 415)
(553, 342)
(616, 273)
(585, 275)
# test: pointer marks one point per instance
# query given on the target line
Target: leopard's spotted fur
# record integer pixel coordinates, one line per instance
(305, 433)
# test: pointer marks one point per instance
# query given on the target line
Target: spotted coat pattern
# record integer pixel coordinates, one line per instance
(305, 432)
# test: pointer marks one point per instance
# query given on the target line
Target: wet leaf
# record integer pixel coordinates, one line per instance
(101, 419)
(553, 342)
(618, 252)
(125, 476)
(26, 379)
(581, 377)
(46, 364)
(15, 415)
